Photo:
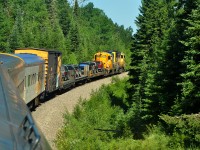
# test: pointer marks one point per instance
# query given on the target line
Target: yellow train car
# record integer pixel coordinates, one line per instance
(107, 60)
(121, 61)
(52, 58)
(114, 60)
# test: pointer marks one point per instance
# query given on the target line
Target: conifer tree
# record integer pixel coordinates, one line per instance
(57, 39)
(175, 52)
(190, 100)
(16, 38)
(147, 56)
(63, 15)
(74, 31)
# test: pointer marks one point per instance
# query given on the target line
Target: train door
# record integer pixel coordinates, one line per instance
(52, 72)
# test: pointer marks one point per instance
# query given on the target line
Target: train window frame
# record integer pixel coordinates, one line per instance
(32, 79)
(25, 81)
(38, 76)
(29, 80)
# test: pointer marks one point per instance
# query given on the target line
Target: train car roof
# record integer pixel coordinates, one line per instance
(102, 53)
(10, 60)
(31, 59)
(38, 49)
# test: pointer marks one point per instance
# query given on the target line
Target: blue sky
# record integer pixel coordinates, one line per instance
(123, 12)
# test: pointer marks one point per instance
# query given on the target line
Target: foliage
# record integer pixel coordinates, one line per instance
(101, 123)
(191, 77)
(147, 58)
(161, 67)
(92, 125)
(183, 129)
(72, 29)
(164, 74)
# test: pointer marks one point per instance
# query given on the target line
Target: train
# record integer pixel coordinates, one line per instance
(45, 73)
(31, 74)
(18, 128)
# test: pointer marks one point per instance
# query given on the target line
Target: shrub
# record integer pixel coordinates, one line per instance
(184, 130)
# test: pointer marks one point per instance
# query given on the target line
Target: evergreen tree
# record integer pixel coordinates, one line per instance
(57, 39)
(74, 31)
(76, 9)
(63, 15)
(175, 51)
(147, 56)
(16, 38)
(74, 36)
(190, 101)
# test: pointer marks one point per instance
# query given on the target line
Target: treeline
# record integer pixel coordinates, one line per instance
(77, 31)
(158, 106)
(105, 122)
(165, 72)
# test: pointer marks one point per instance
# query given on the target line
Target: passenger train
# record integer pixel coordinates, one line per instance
(31, 74)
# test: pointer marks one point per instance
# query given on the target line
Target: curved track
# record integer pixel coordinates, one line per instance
(49, 115)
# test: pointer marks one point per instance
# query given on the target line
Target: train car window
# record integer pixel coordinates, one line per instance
(24, 81)
(109, 58)
(29, 80)
(34, 78)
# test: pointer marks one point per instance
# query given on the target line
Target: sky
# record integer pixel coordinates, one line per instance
(122, 12)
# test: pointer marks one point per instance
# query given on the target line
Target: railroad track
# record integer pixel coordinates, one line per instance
(49, 115)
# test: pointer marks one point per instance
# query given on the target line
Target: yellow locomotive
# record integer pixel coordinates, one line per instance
(106, 59)
(121, 61)
(113, 61)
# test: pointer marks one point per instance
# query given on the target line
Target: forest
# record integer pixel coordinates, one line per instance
(77, 29)
(158, 106)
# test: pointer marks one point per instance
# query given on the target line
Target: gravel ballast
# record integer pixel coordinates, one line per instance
(49, 115)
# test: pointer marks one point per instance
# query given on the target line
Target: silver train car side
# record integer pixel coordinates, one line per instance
(15, 67)
(18, 129)
(34, 79)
